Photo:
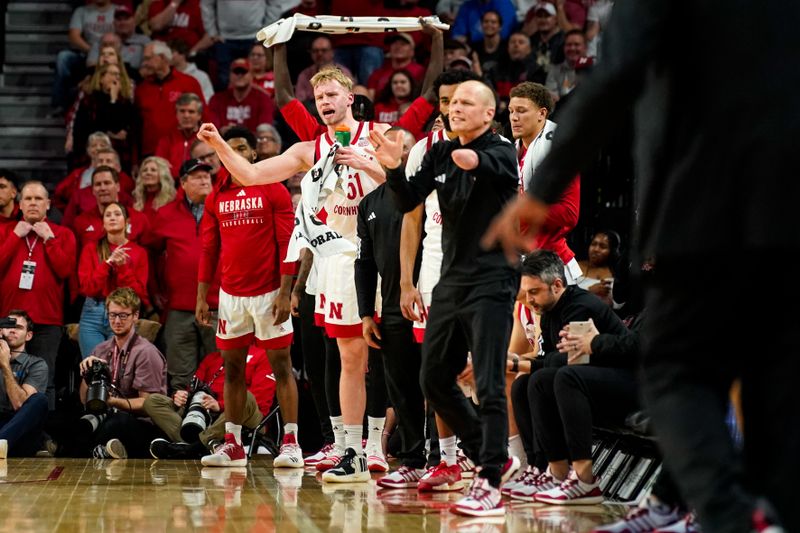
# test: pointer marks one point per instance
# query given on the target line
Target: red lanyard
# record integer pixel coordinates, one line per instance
(31, 246)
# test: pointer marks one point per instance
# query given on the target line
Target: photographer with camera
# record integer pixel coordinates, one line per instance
(194, 419)
(23, 404)
(119, 375)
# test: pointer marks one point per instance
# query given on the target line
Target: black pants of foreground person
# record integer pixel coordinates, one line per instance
(707, 326)
(476, 318)
(135, 433)
(566, 401)
(402, 361)
(313, 342)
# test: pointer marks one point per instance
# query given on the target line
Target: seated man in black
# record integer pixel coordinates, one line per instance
(23, 403)
(557, 401)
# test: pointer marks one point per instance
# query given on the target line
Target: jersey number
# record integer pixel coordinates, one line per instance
(354, 189)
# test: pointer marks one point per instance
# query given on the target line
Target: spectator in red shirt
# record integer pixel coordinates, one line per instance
(155, 187)
(83, 199)
(88, 226)
(322, 53)
(175, 146)
(9, 210)
(401, 56)
(167, 413)
(109, 263)
(156, 96)
(176, 231)
(46, 253)
(260, 59)
(82, 176)
(179, 19)
(395, 98)
(205, 154)
(242, 103)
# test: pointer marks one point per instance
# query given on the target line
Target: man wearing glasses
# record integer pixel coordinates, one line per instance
(137, 369)
(242, 103)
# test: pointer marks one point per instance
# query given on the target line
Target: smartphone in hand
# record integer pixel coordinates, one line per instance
(581, 327)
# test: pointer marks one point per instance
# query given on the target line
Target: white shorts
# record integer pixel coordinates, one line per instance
(425, 285)
(243, 317)
(336, 302)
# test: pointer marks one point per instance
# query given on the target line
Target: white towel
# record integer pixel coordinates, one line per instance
(309, 231)
(536, 153)
(282, 30)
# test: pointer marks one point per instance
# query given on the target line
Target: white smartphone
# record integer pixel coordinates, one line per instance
(581, 327)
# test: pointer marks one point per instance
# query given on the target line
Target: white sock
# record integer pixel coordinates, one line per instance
(448, 450)
(235, 430)
(337, 425)
(290, 428)
(375, 427)
(515, 448)
(352, 437)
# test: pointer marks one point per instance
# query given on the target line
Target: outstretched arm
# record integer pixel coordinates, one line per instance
(273, 170)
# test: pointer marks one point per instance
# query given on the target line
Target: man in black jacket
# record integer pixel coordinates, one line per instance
(712, 190)
(472, 305)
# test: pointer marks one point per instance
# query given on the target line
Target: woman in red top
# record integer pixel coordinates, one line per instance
(396, 97)
(155, 187)
(110, 263)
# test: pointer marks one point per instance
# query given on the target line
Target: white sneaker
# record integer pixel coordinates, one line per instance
(376, 461)
(482, 500)
(643, 519)
(291, 456)
(542, 482)
(404, 477)
(312, 460)
(229, 454)
(528, 474)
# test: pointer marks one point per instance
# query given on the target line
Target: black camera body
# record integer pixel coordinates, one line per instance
(196, 418)
(98, 379)
(7, 322)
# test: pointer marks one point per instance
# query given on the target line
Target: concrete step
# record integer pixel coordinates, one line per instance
(44, 138)
(32, 44)
(24, 107)
(39, 77)
(37, 58)
(27, 13)
(23, 92)
(28, 120)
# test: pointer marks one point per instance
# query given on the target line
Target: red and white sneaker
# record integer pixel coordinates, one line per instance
(481, 500)
(229, 454)
(510, 469)
(642, 520)
(687, 524)
(441, 478)
(466, 465)
(572, 491)
(529, 473)
(542, 482)
(331, 459)
(376, 461)
(403, 478)
(312, 460)
(290, 456)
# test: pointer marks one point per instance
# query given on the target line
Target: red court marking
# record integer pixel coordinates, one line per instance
(54, 474)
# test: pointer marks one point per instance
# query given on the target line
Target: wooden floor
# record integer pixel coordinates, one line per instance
(91, 495)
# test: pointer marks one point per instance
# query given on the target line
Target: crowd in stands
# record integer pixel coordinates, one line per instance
(117, 243)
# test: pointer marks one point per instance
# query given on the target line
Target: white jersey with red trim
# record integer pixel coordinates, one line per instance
(535, 154)
(341, 207)
(432, 255)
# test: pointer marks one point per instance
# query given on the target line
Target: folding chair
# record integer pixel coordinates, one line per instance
(259, 438)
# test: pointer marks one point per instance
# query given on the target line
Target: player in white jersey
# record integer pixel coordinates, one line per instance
(333, 95)
(529, 107)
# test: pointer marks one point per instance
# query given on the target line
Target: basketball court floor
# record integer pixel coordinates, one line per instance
(137, 495)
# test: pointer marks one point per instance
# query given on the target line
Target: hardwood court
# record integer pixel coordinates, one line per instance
(137, 495)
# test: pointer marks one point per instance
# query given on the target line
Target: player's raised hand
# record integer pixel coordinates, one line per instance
(209, 134)
(388, 151)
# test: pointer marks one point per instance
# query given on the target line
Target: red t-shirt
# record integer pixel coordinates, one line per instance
(254, 109)
(175, 148)
(155, 100)
(266, 82)
(98, 279)
(387, 112)
(88, 226)
(248, 229)
(381, 77)
(186, 24)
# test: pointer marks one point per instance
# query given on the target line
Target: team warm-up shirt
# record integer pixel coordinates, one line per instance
(248, 229)
(469, 200)
(341, 207)
(432, 242)
(379, 225)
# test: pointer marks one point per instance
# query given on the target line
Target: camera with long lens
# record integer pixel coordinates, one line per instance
(196, 418)
(98, 379)
(7, 322)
